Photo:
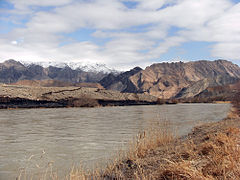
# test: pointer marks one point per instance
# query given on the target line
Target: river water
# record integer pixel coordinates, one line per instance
(33, 139)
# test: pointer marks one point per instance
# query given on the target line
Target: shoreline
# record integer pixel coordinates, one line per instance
(23, 103)
(14, 97)
(210, 151)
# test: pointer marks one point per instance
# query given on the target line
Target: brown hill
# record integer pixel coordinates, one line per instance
(219, 93)
(167, 80)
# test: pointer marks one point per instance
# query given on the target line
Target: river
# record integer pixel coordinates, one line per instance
(31, 139)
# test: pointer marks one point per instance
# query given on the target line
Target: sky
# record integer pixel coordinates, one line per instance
(119, 33)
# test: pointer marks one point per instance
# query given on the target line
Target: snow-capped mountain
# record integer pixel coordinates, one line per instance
(91, 67)
(12, 71)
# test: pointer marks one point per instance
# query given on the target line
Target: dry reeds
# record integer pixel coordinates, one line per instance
(149, 140)
(156, 154)
(217, 157)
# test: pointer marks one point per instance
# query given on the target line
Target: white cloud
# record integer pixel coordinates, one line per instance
(227, 50)
(41, 37)
(190, 14)
(223, 30)
(153, 4)
(14, 42)
(164, 46)
(22, 4)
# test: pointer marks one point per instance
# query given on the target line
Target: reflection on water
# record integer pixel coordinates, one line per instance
(31, 138)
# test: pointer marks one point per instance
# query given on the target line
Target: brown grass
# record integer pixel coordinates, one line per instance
(149, 140)
(128, 163)
(215, 156)
(155, 154)
(218, 157)
(211, 151)
(233, 113)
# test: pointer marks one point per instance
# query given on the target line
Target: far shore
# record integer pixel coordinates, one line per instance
(21, 103)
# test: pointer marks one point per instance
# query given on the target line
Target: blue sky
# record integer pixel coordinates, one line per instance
(119, 33)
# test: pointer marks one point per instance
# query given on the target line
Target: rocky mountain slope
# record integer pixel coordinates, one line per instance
(12, 71)
(121, 82)
(219, 93)
(175, 80)
(208, 83)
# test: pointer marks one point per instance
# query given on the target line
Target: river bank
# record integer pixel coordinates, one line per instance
(210, 151)
(23, 96)
(15, 96)
(86, 137)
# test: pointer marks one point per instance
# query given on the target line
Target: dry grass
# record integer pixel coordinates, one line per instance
(128, 163)
(155, 154)
(210, 152)
(149, 140)
(233, 113)
(217, 157)
(124, 162)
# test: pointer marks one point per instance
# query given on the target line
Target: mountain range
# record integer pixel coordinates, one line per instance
(174, 80)
(162, 80)
(12, 71)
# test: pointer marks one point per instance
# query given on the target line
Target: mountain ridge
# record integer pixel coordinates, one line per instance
(167, 80)
(12, 71)
(163, 80)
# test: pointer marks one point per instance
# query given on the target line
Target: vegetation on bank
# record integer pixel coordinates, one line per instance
(214, 155)
(210, 152)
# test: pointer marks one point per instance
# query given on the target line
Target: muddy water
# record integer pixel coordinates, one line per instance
(33, 139)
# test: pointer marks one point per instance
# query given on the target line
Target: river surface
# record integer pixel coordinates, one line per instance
(33, 139)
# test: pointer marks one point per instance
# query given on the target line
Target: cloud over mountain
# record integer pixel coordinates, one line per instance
(119, 33)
